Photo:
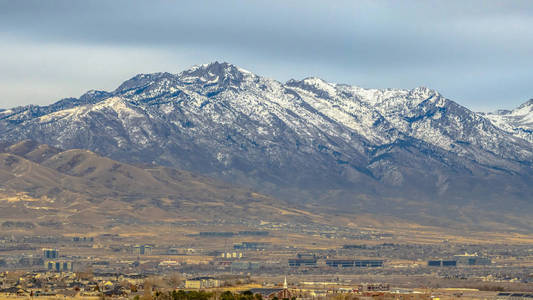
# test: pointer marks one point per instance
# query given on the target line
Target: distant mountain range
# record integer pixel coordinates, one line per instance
(334, 147)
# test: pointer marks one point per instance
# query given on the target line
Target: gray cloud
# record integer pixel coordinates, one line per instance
(475, 52)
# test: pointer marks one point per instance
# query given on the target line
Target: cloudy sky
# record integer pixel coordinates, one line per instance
(478, 53)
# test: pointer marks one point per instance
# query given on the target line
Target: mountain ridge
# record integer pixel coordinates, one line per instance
(299, 140)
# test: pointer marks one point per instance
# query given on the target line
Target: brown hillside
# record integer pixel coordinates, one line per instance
(76, 187)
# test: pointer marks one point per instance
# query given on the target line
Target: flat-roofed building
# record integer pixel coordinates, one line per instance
(143, 249)
(251, 246)
(442, 263)
(299, 262)
(202, 283)
(472, 260)
(59, 266)
(351, 263)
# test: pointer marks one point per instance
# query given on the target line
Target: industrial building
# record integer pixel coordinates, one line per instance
(300, 262)
(514, 296)
(254, 233)
(472, 260)
(442, 263)
(307, 260)
(351, 263)
(251, 246)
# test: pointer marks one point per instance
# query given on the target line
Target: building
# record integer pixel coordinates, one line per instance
(514, 296)
(305, 256)
(251, 246)
(302, 262)
(180, 251)
(351, 263)
(29, 260)
(230, 255)
(82, 239)
(434, 263)
(307, 260)
(59, 266)
(216, 234)
(442, 263)
(51, 253)
(254, 233)
(143, 249)
(202, 283)
(245, 265)
(353, 246)
(472, 260)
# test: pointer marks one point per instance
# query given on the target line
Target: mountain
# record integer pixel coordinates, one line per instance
(80, 189)
(332, 146)
(518, 122)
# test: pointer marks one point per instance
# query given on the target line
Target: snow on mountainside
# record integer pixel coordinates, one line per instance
(518, 122)
(320, 140)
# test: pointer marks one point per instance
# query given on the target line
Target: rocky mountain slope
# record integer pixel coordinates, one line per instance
(408, 152)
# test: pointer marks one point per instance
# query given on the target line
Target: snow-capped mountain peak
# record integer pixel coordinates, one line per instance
(423, 92)
(518, 121)
(216, 72)
(227, 122)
